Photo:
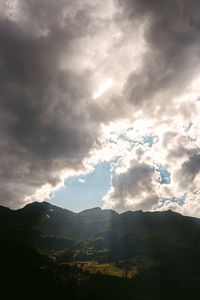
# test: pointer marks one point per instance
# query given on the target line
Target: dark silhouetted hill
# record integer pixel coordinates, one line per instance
(42, 243)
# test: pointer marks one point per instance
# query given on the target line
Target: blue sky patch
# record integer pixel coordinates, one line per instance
(165, 175)
(151, 139)
(77, 195)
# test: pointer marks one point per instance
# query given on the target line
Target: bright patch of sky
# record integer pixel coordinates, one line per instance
(180, 201)
(106, 85)
(150, 140)
(165, 175)
(83, 192)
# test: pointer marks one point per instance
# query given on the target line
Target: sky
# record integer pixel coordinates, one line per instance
(99, 104)
(84, 192)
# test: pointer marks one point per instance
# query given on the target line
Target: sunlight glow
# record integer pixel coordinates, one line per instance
(103, 88)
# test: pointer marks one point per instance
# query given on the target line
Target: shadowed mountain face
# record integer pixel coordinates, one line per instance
(123, 235)
(141, 246)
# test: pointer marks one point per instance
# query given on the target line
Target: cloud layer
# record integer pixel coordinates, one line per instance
(46, 123)
(55, 56)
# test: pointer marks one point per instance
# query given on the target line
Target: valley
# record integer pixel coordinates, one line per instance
(99, 254)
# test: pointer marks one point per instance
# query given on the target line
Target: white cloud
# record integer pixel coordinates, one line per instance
(81, 180)
(51, 126)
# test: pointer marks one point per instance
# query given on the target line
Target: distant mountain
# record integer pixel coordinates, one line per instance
(142, 245)
(130, 231)
(96, 215)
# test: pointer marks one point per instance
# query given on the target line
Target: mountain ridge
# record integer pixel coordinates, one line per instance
(99, 249)
(46, 204)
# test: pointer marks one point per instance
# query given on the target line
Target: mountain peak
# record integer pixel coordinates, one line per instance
(45, 206)
(91, 210)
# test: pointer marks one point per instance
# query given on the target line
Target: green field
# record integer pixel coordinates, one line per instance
(110, 269)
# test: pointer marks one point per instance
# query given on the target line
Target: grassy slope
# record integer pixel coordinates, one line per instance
(161, 250)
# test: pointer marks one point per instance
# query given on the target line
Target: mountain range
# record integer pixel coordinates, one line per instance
(99, 254)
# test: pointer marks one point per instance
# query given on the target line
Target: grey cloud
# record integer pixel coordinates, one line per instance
(171, 59)
(45, 124)
(189, 170)
(133, 189)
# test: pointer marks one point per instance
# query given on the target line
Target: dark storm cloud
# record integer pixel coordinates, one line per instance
(188, 172)
(134, 189)
(49, 121)
(172, 43)
(45, 125)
